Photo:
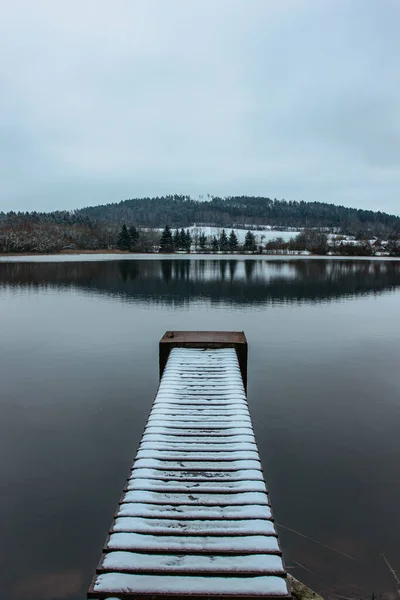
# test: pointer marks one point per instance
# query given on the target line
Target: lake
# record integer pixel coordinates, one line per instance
(79, 370)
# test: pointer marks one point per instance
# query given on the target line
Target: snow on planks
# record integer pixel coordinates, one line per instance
(195, 519)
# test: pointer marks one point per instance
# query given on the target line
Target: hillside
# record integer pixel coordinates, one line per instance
(183, 211)
(99, 227)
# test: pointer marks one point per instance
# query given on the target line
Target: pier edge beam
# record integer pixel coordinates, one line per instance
(205, 339)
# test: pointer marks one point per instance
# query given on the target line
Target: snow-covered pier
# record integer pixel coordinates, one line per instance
(195, 518)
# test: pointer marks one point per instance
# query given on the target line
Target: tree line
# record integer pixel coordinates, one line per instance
(102, 227)
(183, 240)
(238, 211)
(230, 212)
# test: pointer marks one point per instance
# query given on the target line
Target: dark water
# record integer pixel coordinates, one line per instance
(78, 372)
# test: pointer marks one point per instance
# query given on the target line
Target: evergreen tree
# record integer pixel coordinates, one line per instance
(182, 239)
(166, 241)
(188, 241)
(215, 244)
(176, 239)
(233, 241)
(124, 239)
(250, 242)
(134, 235)
(223, 241)
(202, 241)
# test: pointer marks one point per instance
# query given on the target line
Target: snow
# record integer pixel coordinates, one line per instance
(196, 487)
(200, 411)
(217, 406)
(200, 400)
(189, 527)
(205, 412)
(210, 411)
(173, 485)
(189, 465)
(184, 439)
(258, 585)
(202, 389)
(196, 447)
(199, 432)
(250, 563)
(269, 234)
(196, 498)
(215, 419)
(219, 375)
(182, 543)
(204, 353)
(231, 398)
(214, 476)
(192, 370)
(209, 456)
(182, 376)
(183, 511)
(199, 423)
(196, 425)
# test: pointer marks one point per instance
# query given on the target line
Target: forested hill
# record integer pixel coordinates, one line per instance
(182, 211)
(235, 211)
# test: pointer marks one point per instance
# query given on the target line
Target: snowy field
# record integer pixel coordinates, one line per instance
(262, 236)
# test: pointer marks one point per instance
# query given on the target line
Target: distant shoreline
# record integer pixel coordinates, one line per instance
(219, 254)
(68, 252)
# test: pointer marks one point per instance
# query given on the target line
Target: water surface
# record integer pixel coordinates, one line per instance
(78, 372)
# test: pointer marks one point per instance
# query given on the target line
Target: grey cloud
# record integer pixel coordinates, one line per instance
(103, 101)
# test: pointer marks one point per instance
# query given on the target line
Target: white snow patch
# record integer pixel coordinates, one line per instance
(196, 447)
(186, 439)
(258, 585)
(155, 511)
(208, 456)
(235, 545)
(173, 485)
(249, 563)
(187, 465)
(190, 527)
(214, 476)
(196, 498)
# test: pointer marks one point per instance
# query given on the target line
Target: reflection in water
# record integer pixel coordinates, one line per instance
(128, 271)
(77, 377)
(249, 269)
(49, 586)
(166, 270)
(230, 281)
(232, 268)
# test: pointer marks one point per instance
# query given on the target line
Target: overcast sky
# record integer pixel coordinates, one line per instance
(102, 101)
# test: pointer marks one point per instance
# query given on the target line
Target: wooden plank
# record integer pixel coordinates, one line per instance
(215, 527)
(141, 509)
(194, 519)
(245, 564)
(176, 437)
(138, 542)
(200, 476)
(197, 499)
(196, 465)
(170, 586)
(212, 487)
(165, 455)
(222, 432)
(204, 339)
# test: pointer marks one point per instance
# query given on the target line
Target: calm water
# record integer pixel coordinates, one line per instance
(78, 372)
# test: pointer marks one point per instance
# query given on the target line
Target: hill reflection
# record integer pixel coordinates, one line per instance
(229, 281)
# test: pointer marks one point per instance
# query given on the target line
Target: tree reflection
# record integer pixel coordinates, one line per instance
(298, 280)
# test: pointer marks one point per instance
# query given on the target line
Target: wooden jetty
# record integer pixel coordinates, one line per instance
(195, 520)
